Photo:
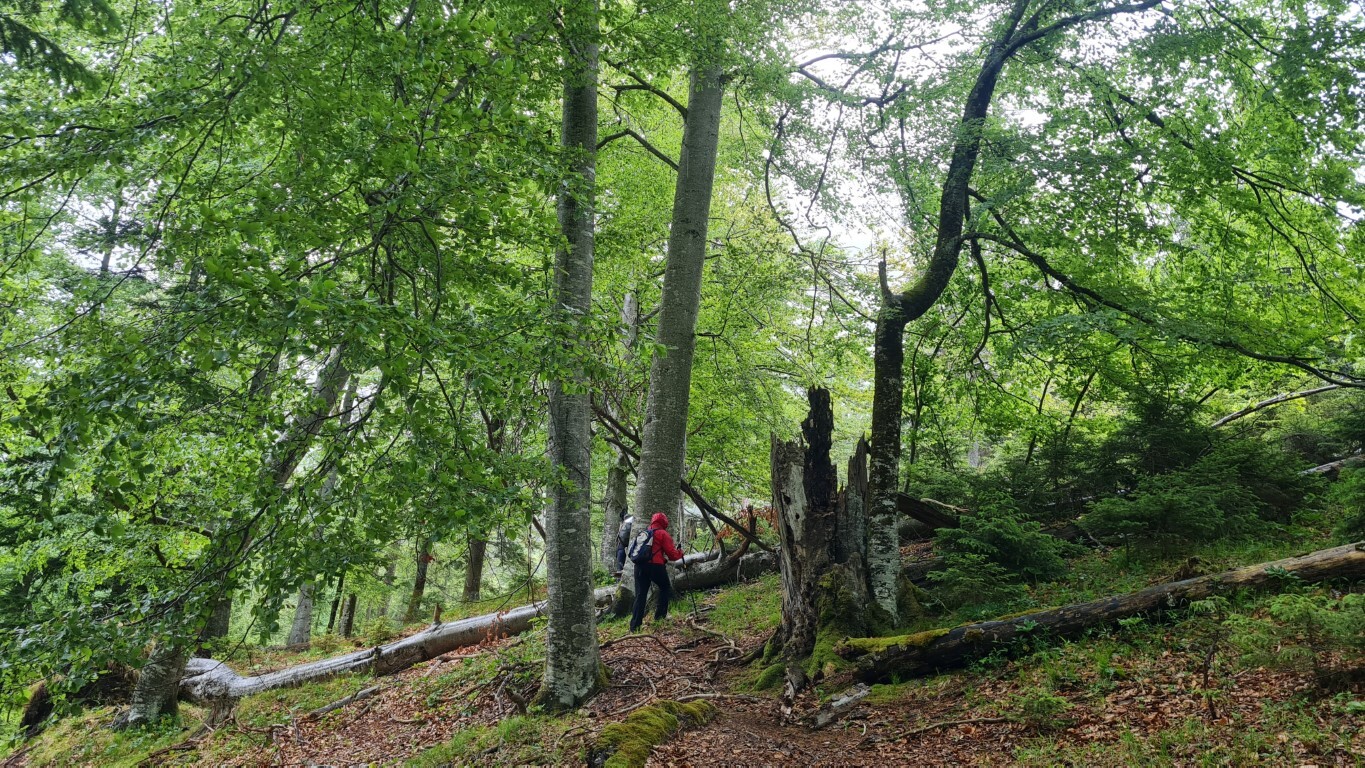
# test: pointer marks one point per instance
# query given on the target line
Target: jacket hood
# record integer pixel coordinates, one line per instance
(660, 520)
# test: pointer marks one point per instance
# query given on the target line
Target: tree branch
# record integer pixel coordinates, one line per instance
(643, 142)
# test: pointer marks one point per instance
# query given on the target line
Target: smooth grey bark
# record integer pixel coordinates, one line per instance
(157, 680)
(219, 621)
(157, 689)
(663, 445)
(301, 630)
(616, 499)
(572, 659)
(348, 616)
(615, 507)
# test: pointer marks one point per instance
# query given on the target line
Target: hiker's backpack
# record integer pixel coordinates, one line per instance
(641, 548)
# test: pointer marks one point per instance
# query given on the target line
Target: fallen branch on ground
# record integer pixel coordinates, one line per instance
(884, 658)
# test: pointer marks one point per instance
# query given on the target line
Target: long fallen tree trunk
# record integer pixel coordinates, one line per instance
(884, 658)
(207, 680)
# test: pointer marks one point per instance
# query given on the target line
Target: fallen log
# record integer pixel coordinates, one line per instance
(1333, 466)
(727, 571)
(1276, 400)
(884, 658)
(208, 680)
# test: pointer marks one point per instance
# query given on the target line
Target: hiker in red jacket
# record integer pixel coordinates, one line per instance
(654, 571)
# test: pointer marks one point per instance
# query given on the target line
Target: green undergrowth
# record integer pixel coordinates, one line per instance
(518, 740)
(1287, 735)
(752, 608)
(278, 706)
(86, 739)
(627, 744)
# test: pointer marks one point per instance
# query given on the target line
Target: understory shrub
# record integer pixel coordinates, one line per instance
(998, 534)
(1318, 634)
(1235, 489)
(1348, 495)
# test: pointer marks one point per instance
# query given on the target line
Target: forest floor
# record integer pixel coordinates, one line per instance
(1170, 693)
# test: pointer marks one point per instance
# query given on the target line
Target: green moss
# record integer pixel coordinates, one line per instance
(769, 677)
(628, 743)
(86, 739)
(880, 644)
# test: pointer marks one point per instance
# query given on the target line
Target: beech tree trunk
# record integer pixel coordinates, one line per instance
(301, 630)
(156, 692)
(156, 684)
(336, 603)
(219, 621)
(663, 445)
(473, 569)
(615, 507)
(419, 582)
(881, 658)
(572, 661)
(348, 616)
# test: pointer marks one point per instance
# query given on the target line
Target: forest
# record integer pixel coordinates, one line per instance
(997, 364)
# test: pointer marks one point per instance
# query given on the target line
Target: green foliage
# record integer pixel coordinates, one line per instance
(1236, 488)
(1318, 634)
(997, 533)
(969, 579)
(1348, 495)
(989, 554)
(1039, 708)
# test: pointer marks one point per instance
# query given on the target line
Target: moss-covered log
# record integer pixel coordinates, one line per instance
(627, 744)
(885, 658)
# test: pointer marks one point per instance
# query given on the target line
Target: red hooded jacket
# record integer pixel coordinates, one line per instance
(663, 543)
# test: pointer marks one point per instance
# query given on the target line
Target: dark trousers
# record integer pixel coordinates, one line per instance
(650, 573)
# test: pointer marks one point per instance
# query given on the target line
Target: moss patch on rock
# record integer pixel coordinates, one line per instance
(628, 743)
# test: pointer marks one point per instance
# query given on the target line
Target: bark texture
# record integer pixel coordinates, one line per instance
(1015, 30)
(156, 693)
(572, 661)
(663, 447)
(615, 507)
(473, 569)
(824, 581)
(886, 658)
(419, 583)
(301, 630)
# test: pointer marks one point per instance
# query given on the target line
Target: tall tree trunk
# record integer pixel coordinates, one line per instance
(883, 540)
(616, 499)
(572, 660)
(157, 683)
(615, 507)
(348, 616)
(473, 569)
(419, 582)
(390, 571)
(336, 603)
(899, 309)
(662, 453)
(219, 621)
(301, 631)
